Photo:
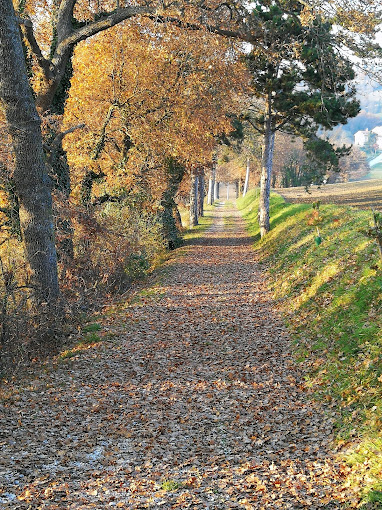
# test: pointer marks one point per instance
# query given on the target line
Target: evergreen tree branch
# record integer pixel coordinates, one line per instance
(256, 128)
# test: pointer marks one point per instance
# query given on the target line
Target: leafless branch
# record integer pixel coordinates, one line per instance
(58, 139)
(108, 21)
(27, 28)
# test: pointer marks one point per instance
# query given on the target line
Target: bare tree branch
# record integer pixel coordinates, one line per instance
(242, 35)
(64, 19)
(108, 21)
(58, 138)
(27, 28)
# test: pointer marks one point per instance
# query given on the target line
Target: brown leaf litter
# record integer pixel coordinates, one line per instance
(192, 400)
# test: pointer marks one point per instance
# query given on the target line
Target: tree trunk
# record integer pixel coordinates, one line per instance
(87, 186)
(210, 196)
(266, 171)
(237, 189)
(178, 218)
(59, 168)
(194, 200)
(52, 97)
(201, 194)
(216, 191)
(213, 179)
(32, 184)
(171, 224)
(246, 179)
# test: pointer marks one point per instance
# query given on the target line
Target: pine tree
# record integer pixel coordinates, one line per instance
(300, 81)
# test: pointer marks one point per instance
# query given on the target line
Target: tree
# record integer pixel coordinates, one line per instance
(194, 198)
(140, 115)
(238, 156)
(354, 166)
(301, 81)
(52, 31)
(30, 179)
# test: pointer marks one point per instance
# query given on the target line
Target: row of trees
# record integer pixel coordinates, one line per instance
(138, 96)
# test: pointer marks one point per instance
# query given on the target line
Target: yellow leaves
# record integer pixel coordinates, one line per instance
(172, 92)
(306, 16)
(357, 20)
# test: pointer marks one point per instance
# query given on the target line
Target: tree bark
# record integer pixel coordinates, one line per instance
(241, 185)
(210, 196)
(246, 179)
(201, 194)
(194, 200)
(178, 218)
(171, 224)
(237, 189)
(211, 184)
(266, 170)
(87, 186)
(31, 181)
(216, 191)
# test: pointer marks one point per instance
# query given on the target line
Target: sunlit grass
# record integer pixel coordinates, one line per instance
(205, 222)
(171, 485)
(332, 297)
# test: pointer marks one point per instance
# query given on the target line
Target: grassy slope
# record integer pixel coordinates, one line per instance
(333, 295)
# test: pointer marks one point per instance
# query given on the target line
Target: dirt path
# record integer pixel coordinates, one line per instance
(191, 401)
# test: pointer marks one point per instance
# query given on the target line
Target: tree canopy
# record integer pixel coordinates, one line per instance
(300, 76)
(300, 82)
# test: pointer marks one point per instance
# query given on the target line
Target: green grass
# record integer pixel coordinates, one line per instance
(171, 485)
(90, 328)
(147, 294)
(332, 297)
(204, 224)
(90, 338)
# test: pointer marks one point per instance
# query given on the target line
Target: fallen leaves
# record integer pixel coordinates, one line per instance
(183, 411)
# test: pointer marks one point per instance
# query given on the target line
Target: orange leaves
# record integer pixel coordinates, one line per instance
(171, 428)
(171, 89)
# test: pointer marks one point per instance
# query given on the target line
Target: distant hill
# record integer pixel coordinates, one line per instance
(370, 96)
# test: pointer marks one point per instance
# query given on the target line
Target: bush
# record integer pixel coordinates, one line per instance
(137, 265)
(114, 245)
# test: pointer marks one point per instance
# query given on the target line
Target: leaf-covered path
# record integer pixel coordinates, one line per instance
(192, 400)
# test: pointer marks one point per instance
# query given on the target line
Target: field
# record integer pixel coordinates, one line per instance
(361, 194)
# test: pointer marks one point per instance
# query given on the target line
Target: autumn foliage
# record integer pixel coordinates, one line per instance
(146, 105)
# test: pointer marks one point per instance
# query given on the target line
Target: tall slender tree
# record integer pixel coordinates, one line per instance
(194, 198)
(300, 80)
(31, 181)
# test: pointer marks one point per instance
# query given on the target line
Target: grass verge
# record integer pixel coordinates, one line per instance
(204, 224)
(331, 295)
